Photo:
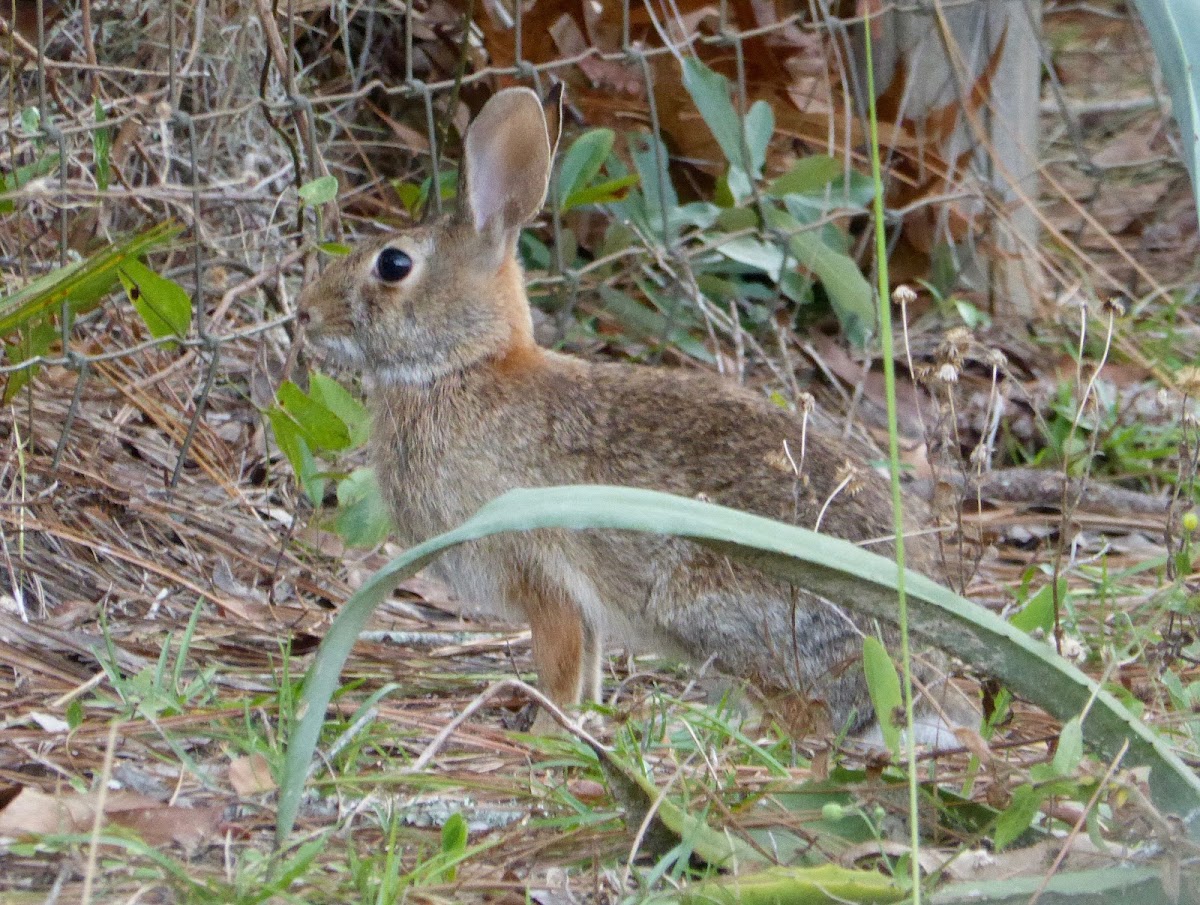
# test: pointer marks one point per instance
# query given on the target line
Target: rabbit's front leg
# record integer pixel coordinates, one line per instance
(562, 648)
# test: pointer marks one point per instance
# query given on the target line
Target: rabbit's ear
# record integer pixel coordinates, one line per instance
(507, 161)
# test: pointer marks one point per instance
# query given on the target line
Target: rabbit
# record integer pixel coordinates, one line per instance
(467, 406)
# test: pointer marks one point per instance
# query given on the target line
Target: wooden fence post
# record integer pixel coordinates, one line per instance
(943, 47)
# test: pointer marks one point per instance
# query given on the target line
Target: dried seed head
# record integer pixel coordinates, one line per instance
(996, 358)
(954, 345)
(806, 402)
(1114, 306)
(948, 373)
(778, 460)
(850, 474)
(1188, 379)
(904, 295)
(923, 373)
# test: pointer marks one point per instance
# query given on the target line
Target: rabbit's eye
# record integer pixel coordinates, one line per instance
(392, 265)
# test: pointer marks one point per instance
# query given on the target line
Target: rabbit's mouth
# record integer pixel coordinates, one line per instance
(339, 351)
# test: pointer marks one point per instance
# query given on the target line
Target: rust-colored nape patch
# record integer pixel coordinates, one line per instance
(522, 354)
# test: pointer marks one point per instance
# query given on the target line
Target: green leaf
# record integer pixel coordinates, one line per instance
(648, 324)
(410, 195)
(454, 845)
(454, 835)
(74, 714)
(650, 159)
(339, 249)
(848, 291)
(22, 176)
(863, 582)
(362, 517)
(582, 162)
(808, 176)
(337, 399)
(80, 284)
(1069, 754)
(1038, 612)
(1132, 885)
(295, 448)
(31, 120)
(1176, 40)
(600, 193)
(764, 256)
(101, 147)
(883, 684)
(319, 191)
(760, 126)
(1017, 817)
(710, 93)
(322, 428)
(32, 342)
(800, 885)
(163, 304)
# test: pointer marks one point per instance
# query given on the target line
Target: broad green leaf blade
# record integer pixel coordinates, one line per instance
(710, 94)
(362, 514)
(863, 582)
(651, 160)
(335, 397)
(322, 428)
(163, 304)
(883, 684)
(582, 162)
(295, 448)
(807, 176)
(760, 126)
(764, 256)
(31, 343)
(848, 290)
(1017, 817)
(1038, 612)
(79, 285)
(319, 191)
(799, 885)
(321, 680)
(1172, 25)
(600, 193)
(1069, 753)
(21, 176)
(1131, 885)
(454, 834)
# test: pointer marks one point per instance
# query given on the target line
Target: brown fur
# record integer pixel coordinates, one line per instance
(467, 407)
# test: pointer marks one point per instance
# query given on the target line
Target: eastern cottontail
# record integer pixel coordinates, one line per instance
(467, 406)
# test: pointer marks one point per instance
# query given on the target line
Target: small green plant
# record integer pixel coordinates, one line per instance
(757, 245)
(164, 688)
(1108, 442)
(31, 318)
(314, 430)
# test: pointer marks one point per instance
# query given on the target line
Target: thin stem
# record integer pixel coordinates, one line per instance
(889, 376)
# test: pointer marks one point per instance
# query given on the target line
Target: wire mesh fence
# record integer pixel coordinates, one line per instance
(126, 118)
